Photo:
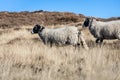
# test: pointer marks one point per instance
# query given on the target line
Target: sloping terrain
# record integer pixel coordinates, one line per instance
(23, 56)
(11, 19)
(17, 19)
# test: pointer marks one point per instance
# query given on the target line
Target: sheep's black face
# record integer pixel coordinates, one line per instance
(86, 22)
(37, 28)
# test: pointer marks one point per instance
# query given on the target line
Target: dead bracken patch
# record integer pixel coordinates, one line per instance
(35, 39)
(28, 29)
(15, 40)
(11, 19)
(17, 29)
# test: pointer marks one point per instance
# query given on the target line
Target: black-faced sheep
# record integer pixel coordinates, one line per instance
(103, 30)
(60, 36)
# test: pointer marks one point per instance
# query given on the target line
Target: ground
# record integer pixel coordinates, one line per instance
(23, 56)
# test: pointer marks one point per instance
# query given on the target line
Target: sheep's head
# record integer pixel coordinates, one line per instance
(87, 22)
(37, 28)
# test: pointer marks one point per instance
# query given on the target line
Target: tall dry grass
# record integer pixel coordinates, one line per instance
(24, 57)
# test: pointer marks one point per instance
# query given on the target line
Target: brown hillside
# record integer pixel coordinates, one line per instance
(10, 19)
(108, 19)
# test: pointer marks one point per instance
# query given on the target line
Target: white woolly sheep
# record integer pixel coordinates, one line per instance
(103, 30)
(60, 36)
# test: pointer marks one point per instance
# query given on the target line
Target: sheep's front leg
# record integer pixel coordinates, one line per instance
(51, 42)
(118, 36)
(45, 41)
(99, 41)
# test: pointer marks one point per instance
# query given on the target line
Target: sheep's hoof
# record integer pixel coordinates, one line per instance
(78, 44)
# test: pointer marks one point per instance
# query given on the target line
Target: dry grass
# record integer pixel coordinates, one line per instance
(24, 57)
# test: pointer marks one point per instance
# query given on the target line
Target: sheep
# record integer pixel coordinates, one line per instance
(60, 36)
(103, 30)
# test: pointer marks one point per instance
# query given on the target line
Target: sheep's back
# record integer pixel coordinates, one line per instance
(106, 30)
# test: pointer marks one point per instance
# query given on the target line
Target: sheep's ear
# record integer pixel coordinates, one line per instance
(41, 28)
(87, 18)
(38, 26)
(92, 18)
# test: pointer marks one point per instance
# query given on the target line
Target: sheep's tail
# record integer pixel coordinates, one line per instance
(82, 40)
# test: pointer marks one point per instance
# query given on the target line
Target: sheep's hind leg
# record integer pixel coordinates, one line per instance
(84, 44)
(99, 41)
